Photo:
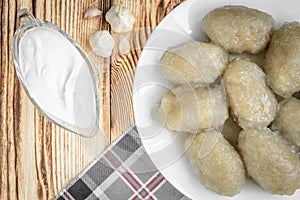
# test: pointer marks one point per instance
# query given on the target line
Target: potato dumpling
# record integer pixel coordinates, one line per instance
(190, 109)
(231, 130)
(287, 121)
(238, 28)
(195, 62)
(251, 100)
(282, 63)
(218, 165)
(270, 161)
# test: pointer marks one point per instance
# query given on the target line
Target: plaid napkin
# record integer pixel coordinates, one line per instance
(123, 171)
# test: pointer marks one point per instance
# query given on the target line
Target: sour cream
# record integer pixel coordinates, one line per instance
(57, 77)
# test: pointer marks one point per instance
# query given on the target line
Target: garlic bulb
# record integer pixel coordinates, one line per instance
(120, 19)
(102, 43)
(124, 46)
(92, 12)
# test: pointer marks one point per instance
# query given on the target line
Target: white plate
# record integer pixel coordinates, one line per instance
(164, 147)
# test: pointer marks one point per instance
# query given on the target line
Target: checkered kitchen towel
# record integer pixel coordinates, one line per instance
(123, 171)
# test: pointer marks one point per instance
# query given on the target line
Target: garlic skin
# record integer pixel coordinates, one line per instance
(92, 12)
(124, 46)
(120, 19)
(102, 43)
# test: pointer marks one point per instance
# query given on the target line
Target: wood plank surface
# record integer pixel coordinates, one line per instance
(37, 158)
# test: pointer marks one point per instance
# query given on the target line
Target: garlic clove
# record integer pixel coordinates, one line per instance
(124, 46)
(102, 43)
(92, 12)
(120, 19)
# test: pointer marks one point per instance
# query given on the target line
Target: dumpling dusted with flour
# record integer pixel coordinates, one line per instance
(189, 108)
(250, 98)
(287, 120)
(282, 63)
(194, 62)
(218, 165)
(270, 161)
(238, 28)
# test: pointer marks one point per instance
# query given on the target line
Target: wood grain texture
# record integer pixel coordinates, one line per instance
(37, 158)
(148, 14)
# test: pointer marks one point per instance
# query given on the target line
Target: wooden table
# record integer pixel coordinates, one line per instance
(37, 158)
